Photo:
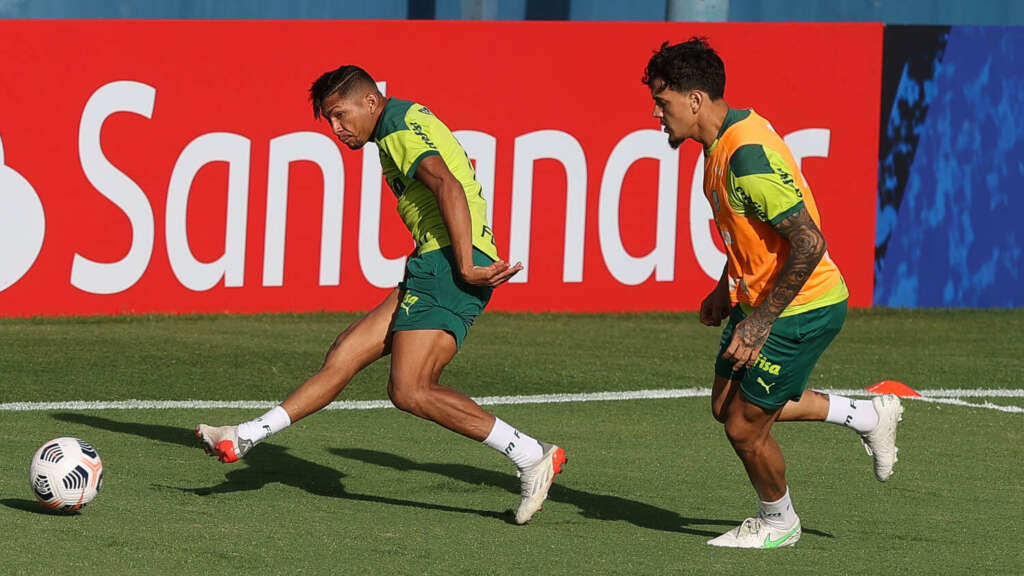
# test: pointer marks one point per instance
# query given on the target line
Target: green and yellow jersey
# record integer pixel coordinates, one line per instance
(406, 133)
(754, 183)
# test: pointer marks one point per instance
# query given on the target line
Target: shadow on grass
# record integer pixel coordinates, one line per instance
(26, 505)
(266, 464)
(591, 505)
(273, 464)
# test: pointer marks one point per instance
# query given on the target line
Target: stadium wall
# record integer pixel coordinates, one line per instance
(162, 166)
(951, 163)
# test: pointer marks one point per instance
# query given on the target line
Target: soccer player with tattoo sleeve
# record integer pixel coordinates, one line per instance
(783, 297)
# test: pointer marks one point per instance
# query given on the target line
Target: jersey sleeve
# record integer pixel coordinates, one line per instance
(409, 146)
(761, 185)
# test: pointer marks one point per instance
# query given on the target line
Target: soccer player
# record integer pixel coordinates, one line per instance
(784, 297)
(448, 282)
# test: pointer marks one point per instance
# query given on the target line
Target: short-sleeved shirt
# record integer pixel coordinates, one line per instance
(760, 185)
(405, 134)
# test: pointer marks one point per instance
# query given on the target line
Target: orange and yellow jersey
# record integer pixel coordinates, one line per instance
(753, 183)
(405, 134)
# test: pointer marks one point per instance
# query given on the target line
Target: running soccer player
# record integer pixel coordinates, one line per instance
(448, 282)
(784, 297)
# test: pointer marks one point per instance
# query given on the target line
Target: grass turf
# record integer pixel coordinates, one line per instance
(381, 492)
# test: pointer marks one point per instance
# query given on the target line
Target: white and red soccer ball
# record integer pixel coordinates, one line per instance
(66, 474)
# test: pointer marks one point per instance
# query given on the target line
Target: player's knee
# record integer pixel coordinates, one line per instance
(741, 435)
(404, 396)
(342, 354)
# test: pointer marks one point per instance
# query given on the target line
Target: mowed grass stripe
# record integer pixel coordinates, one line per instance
(264, 357)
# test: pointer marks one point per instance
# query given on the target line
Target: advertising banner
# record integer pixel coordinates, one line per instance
(166, 166)
(950, 163)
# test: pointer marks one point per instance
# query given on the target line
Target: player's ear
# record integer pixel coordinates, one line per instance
(696, 100)
(373, 100)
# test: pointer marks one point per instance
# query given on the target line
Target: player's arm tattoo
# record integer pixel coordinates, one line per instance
(753, 332)
(806, 248)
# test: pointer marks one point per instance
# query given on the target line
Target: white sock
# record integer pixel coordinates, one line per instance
(520, 448)
(859, 415)
(779, 514)
(275, 420)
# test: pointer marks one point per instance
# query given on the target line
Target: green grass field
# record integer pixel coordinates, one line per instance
(381, 492)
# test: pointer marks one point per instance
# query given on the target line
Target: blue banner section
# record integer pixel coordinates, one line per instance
(951, 176)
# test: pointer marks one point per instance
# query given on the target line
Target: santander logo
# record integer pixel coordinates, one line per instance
(22, 224)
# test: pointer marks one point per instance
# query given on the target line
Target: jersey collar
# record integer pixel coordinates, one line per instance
(731, 117)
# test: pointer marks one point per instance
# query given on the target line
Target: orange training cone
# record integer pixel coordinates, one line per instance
(893, 387)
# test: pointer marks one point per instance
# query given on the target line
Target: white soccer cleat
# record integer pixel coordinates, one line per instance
(756, 533)
(536, 480)
(223, 442)
(881, 442)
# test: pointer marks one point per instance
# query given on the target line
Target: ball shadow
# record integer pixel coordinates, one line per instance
(33, 506)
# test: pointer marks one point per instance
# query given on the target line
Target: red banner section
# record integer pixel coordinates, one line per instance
(176, 166)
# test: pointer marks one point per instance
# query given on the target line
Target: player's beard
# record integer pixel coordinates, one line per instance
(355, 146)
(675, 143)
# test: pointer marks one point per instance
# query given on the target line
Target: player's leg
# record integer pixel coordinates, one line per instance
(436, 312)
(748, 402)
(363, 342)
(874, 419)
(860, 415)
(417, 361)
(795, 346)
(748, 427)
(418, 358)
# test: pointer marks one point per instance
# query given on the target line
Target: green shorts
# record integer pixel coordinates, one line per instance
(435, 298)
(793, 347)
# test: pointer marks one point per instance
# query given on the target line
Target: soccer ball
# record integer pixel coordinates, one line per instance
(66, 474)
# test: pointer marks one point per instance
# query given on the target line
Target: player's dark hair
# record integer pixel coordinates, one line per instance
(345, 81)
(691, 65)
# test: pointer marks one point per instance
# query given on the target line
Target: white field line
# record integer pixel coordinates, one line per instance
(939, 396)
(988, 405)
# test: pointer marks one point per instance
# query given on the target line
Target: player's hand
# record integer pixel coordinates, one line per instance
(715, 307)
(494, 275)
(748, 338)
